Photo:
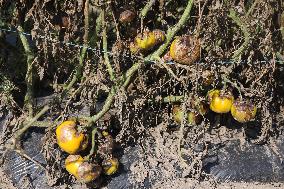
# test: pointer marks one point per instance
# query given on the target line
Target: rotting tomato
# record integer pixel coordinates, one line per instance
(185, 49)
(243, 110)
(83, 171)
(106, 144)
(69, 139)
(220, 100)
(147, 40)
(126, 16)
(110, 166)
(192, 117)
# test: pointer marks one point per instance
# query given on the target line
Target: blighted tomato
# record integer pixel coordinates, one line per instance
(83, 171)
(192, 117)
(69, 139)
(106, 145)
(110, 166)
(126, 16)
(207, 77)
(243, 110)
(220, 100)
(147, 40)
(185, 49)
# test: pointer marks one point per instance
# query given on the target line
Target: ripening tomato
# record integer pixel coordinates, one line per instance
(243, 110)
(69, 139)
(147, 40)
(220, 101)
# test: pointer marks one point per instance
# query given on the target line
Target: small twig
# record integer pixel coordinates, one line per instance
(252, 7)
(29, 75)
(225, 80)
(237, 54)
(145, 10)
(116, 26)
(106, 58)
(170, 71)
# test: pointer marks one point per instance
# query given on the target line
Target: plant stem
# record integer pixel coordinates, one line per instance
(92, 151)
(146, 9)
(28, 101)
(79, 68)
(19, 133)
(106, 58)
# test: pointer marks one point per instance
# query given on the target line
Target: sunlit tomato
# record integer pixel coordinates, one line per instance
(110, 166)
(84, 171)
(69, 139)
(185, 49)
(220, 101)
(243, 110)
(147, 40)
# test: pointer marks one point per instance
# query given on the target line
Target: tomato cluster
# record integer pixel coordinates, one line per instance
(73, 142)
(222, 101)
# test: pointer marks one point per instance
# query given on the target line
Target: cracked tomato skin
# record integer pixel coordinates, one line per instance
(243, 110)
(220, 101)
(83, 171)
(69, 139)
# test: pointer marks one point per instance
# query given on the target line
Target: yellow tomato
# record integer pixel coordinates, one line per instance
(243, 110)
(84, 171)
(110, 166)
(185, 50)
(134, 49)
(146, 40)
(220, 101)
(72, 163)
(68, 139)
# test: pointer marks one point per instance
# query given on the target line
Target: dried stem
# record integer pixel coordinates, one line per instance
(237, 54)
(145, 10)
